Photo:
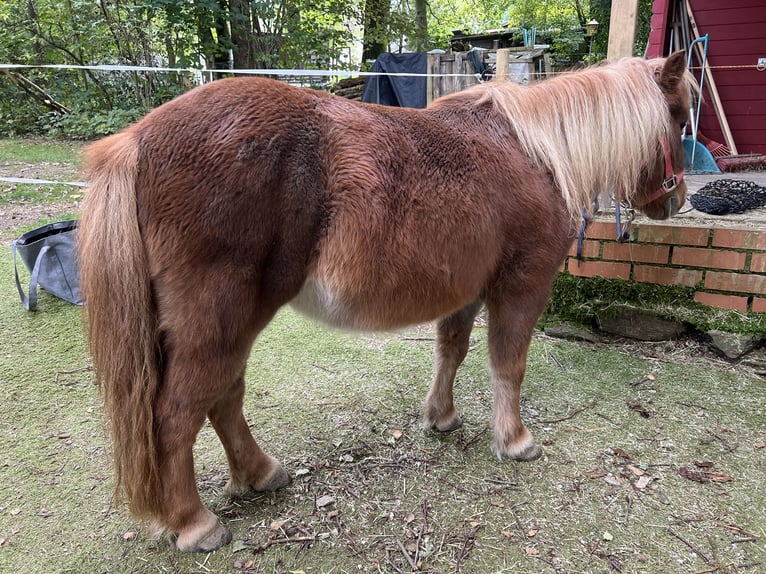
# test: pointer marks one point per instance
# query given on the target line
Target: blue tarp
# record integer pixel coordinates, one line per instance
(401, 91)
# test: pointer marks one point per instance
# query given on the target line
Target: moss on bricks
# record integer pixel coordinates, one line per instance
(581, 299)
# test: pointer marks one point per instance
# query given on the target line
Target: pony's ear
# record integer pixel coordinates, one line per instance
(672, 71)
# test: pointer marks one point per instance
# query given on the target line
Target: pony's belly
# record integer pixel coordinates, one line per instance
(316, 301)
(376, 312)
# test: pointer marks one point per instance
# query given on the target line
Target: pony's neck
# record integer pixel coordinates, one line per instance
(593, 129)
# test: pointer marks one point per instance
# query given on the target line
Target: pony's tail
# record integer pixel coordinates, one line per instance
(121, 318)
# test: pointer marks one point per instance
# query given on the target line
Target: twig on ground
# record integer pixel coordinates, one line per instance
(697, 551)
(274, 541)
(390, 563)
(571, 415)
(723, 441)
(406, 554)
(87, 369)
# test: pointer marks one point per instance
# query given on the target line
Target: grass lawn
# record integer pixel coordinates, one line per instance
(649, 466)
(39, 159)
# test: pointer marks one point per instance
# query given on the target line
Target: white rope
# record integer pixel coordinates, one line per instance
(42, 181)
(253, 71)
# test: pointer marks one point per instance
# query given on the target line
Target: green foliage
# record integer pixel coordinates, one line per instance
(247, 33)
(88, 125)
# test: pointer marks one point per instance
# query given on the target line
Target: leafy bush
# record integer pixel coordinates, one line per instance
(90, 124)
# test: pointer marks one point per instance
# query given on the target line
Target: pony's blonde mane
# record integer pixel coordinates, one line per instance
(596, 130)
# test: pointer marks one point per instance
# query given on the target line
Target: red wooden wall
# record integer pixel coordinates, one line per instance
(737, 38)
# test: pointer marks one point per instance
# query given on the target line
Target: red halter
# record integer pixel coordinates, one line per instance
(669, 184)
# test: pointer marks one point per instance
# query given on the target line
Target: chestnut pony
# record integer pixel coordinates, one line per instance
(243, 195)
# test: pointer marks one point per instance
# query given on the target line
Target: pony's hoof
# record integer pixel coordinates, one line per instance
(532, 452)
(444, 423)
(278, 478)
(220, 536)
(275, 478)
(449, 425)
(527, 453)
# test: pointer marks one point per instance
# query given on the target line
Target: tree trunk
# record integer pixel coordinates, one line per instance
(376, 14)
(420, 41)
(241, 34)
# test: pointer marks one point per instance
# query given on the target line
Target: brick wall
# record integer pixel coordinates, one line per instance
(727, 266)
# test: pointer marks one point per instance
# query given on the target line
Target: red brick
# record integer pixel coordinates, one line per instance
(602, 230)
(759, 305)
(667, 275)
(722, 301)
(635, 252)
(673, 234)
(736, 282)
(589, 249)
(606, 269)
(758, 263)
(715, 258)
(740, 239)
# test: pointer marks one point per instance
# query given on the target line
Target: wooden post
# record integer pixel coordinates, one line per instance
(502, 63)
(431, 62)
(622, 29)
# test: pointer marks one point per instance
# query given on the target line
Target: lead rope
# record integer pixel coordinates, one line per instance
(623, 233)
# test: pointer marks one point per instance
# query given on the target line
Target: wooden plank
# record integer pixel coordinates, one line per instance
(622, 29)
(712, 89)
(501, 75)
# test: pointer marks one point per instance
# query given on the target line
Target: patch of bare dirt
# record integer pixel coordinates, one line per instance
(14, 217)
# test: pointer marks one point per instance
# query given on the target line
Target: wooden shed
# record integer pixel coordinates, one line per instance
(734, 108)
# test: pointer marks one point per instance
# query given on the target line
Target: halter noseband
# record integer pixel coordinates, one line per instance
(670, 182)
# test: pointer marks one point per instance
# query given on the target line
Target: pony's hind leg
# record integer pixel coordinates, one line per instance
(207, 337)
(249, 466)
(452, 340)
(179, 415)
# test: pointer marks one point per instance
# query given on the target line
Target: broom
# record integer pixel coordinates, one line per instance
(726, 161)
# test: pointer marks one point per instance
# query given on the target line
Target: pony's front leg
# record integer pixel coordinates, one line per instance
(250, 467)
(510, 333)
(452, 340)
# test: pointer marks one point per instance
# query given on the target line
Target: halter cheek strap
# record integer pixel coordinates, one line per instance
(671, 181)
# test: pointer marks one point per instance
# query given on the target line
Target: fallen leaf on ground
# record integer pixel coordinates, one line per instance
(719, 476)
(643, 482)
(619, 452)
(277, 524)
(700, 477)
(703, 464)
(612, 479)
(396, 433)
(635, 470)
(760, 444)
(325, 500)
(129, 535)
(595, 473)
(531, 551)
